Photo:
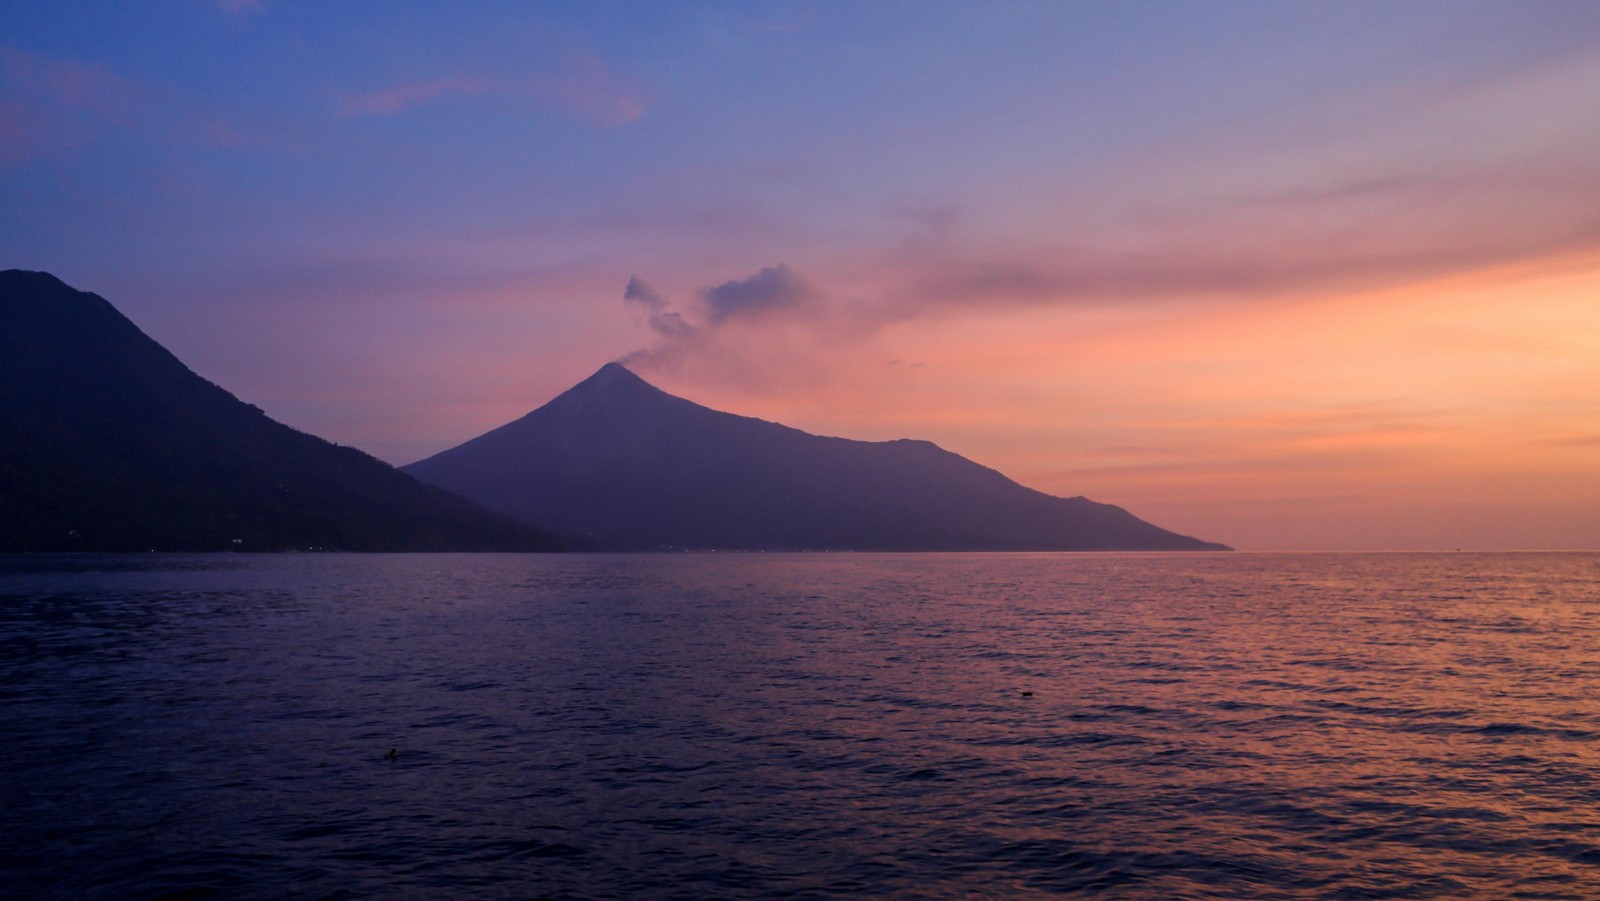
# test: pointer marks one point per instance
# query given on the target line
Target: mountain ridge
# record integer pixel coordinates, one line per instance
(619, 460)
(113, 444)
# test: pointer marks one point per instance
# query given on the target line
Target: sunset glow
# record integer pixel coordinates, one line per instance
(1286, 276)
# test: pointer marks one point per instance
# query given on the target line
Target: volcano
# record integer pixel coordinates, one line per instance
(626, 465)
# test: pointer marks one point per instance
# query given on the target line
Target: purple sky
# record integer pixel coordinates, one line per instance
(1285, 275)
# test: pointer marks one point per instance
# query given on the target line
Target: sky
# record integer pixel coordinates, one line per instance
(1289, 276)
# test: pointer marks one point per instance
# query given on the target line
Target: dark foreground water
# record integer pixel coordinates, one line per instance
(1122, 726)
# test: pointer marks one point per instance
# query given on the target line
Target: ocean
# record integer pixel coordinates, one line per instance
(1162, 726)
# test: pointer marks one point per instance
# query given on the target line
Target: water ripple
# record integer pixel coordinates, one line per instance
(808, 726)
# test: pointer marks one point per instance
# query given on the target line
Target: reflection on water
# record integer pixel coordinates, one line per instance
(690, 726)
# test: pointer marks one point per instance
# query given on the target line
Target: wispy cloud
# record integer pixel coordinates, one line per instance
(591, 91)
(770, 292)
(66, 83)
(773, 288)
(50, 105)
(1088, 278)
(47, 103)
(400, 97)
(1382, 223)
(586, 89)
(1242, 268)
(663, 322)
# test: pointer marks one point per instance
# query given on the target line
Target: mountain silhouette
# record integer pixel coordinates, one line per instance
(111, 444)
(619, 461)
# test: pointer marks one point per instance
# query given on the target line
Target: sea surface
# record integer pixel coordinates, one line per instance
(1161, 726)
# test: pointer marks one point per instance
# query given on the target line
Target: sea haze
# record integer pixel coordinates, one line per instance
(750, 725)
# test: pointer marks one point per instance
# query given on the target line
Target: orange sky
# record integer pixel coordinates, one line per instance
(1281, 275)
(1460, 411)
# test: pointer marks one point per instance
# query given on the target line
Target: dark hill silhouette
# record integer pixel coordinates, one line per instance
(109, 443)
(630, 466)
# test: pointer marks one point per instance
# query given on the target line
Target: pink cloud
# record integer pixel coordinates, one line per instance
(48, 103)
(46, 80)
(1358, 236)
(400, 97)
(588, 90)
